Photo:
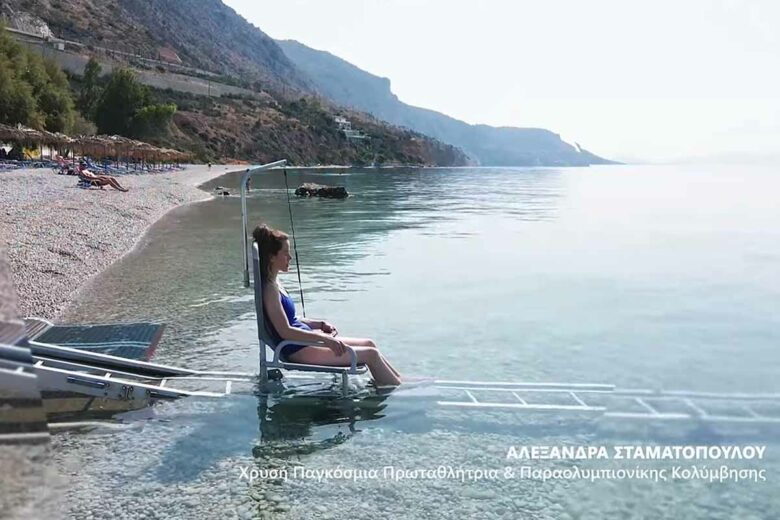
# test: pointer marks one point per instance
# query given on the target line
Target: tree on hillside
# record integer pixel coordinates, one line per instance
(17, 104)
(153, 120)
(126, 108)
(121, 99)
(33, 91)
(55, 100)
(90, 91)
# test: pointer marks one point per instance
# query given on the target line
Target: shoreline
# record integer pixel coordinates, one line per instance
(58, 237)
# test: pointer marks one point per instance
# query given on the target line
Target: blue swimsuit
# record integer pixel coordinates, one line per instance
(292, 319)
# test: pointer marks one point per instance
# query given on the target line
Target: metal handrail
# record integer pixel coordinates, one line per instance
(244, 226)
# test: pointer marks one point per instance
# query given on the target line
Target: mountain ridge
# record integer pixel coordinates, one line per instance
(347, 84)
(210, 37)
(215, 43)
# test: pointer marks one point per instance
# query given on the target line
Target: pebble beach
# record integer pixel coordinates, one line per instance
(57, 236)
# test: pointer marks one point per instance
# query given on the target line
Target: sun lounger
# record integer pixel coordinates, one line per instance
(63, 167)
(129, 340)
(87, 182)
(10, 165)
(105, 168)
(269, 344)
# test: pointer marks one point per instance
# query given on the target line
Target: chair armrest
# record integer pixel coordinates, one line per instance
(284, 343)
(281, 345)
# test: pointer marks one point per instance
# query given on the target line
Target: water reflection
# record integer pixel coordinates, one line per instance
(305, 423)
(273, 426)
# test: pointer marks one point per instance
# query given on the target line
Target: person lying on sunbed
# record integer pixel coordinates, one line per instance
(275, 257)
(98, 180)
(64, 167)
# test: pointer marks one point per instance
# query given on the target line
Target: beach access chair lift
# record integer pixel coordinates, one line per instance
(72, 380)
(111, 377)
(269, 340)
(270, 343)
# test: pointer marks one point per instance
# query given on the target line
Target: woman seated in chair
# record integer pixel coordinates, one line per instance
(275, 257)
(98, 180)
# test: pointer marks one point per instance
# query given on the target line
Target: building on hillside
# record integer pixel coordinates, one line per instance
(346, 127)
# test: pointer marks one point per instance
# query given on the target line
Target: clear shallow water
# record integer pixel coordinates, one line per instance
(655, 277)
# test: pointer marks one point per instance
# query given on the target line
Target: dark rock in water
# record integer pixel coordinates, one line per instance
(310, 189)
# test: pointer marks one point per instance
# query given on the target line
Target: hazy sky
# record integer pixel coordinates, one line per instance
(656, 80)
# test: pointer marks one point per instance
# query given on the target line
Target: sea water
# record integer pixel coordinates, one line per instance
(655, 277)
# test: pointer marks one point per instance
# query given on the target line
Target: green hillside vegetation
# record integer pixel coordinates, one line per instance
(210, 38)
(302, 131)
(119, 105)
(125, 107)
(33, 90)
(36, 93)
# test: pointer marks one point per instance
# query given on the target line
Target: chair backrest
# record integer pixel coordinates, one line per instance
(265, 332)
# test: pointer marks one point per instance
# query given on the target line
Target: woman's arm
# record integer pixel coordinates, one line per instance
(314, 323)
(322, 325)
(273, 307)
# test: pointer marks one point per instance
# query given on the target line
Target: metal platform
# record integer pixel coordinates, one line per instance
(62, 369)
(79, 378)
(608, 402)
(128, 340)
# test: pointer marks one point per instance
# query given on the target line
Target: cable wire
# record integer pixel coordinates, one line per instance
(295, 244)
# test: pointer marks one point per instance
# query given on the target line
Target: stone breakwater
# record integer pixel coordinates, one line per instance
(58, 236)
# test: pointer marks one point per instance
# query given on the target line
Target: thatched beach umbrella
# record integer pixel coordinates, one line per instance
(62, 139)
(21, 134)
(96, 146)
(29, 136)
(118, 147)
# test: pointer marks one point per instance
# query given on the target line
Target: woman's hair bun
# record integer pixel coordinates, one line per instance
(261, 233)
(269, 242)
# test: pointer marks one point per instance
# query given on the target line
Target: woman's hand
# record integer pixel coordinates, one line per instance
(338, 347)
(327, 328)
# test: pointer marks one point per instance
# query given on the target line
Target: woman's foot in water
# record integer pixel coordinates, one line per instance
(381, 389)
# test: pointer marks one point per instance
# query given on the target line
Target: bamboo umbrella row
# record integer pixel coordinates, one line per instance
(97, 146)
(22, 134)
(115, 146)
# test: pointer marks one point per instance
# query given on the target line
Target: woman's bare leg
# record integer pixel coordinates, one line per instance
(107, 179)
(383, 375)
(367, 342)
(115, 184)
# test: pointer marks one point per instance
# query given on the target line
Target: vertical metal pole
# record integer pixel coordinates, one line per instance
(244, 230)
(244, 225)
